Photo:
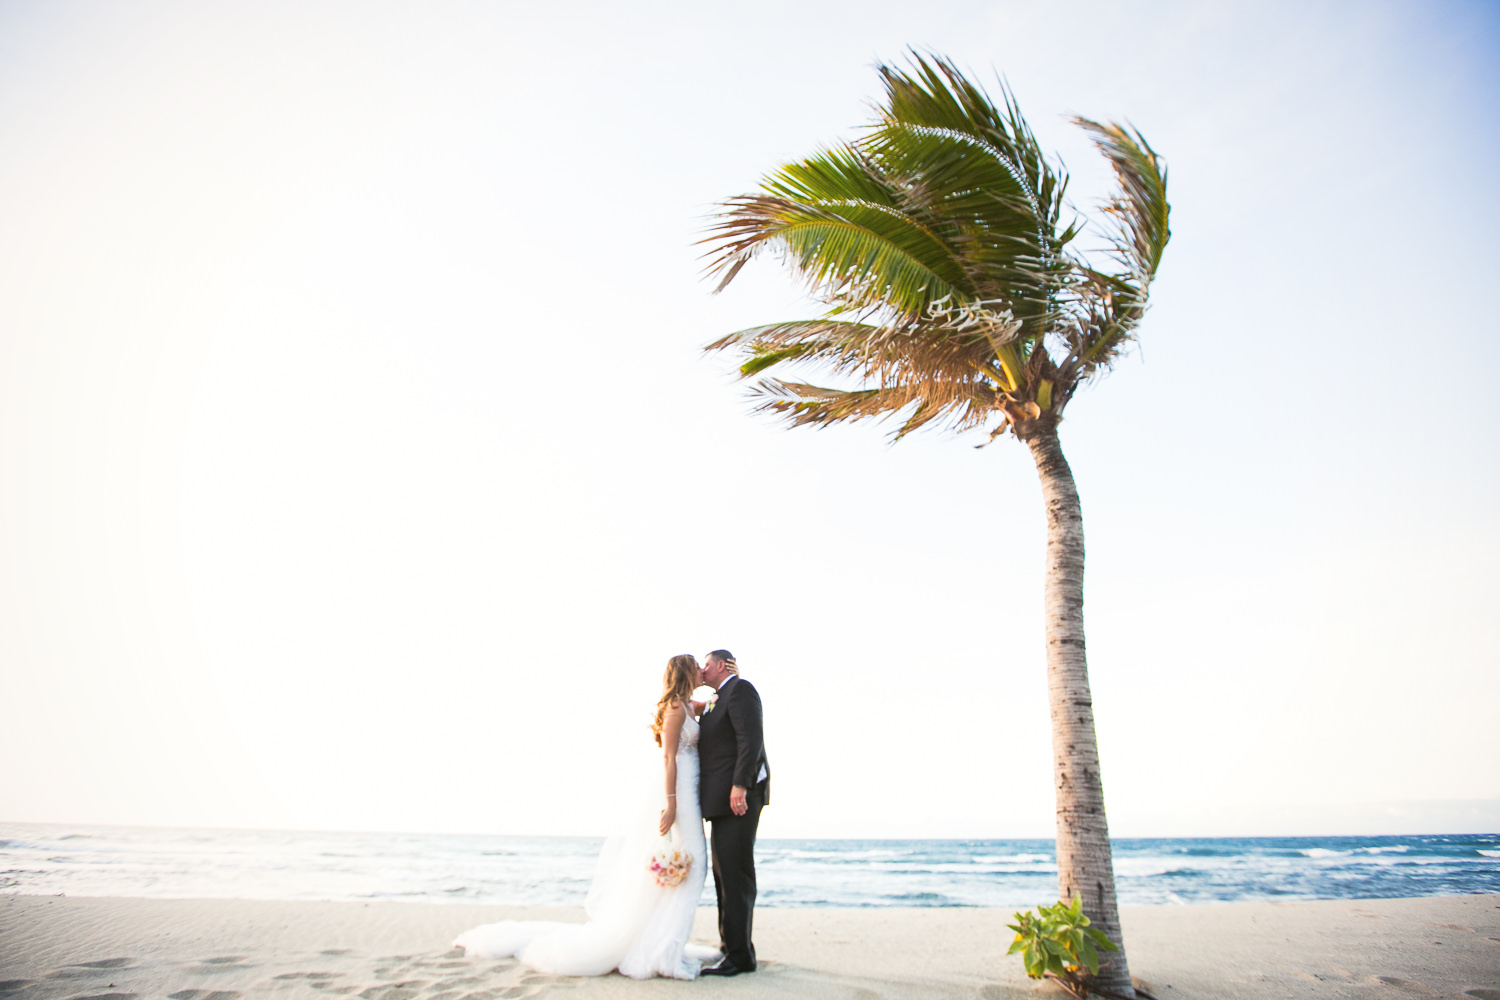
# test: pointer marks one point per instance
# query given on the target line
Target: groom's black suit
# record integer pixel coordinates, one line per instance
(732, 751)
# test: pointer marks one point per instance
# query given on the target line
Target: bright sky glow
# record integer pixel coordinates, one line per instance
(359, 469)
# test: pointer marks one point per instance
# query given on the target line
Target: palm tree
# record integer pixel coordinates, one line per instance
(957, 299)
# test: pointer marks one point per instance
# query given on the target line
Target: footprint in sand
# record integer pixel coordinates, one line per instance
(108, 996)
(1483, 994)
(205, 995)
(319, 976)
(392, 992)
(15, 985)
(82, 969)
(1407, 984)
(219, 963)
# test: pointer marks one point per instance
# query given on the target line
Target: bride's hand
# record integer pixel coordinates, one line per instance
(668, 817)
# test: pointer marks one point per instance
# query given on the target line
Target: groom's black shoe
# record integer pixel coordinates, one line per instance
(724, 968)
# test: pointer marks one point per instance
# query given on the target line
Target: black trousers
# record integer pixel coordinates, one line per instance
(733, 840)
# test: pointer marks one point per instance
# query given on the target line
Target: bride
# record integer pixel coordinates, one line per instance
(636, 924)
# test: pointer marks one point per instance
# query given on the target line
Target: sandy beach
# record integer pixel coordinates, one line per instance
(61, 948)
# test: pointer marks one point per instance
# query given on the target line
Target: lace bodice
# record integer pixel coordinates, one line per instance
(687, 741)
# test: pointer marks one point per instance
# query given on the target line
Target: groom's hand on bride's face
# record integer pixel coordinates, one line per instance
(737, 803)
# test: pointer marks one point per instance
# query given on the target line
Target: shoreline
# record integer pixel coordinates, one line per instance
(120, 948)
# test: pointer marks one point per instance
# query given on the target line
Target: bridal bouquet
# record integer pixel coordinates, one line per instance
(669, 865)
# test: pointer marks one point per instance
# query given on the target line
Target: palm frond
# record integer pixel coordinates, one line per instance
(801, 404)
(935, 94)
(851, 250)
(797, 333)
(877, 354)
(973, 196)
(1111, 306)
(1139, 208)
(841, 345)
(942, 131)
(960, 175)
(838, 173)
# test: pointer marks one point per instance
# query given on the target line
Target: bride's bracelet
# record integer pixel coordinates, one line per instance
(671, 796)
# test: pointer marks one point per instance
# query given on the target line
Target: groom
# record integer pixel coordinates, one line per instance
(734, 783)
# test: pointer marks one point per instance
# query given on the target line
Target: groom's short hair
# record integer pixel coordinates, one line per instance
(721, 654)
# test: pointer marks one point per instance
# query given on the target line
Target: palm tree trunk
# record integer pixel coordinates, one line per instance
(1084, 864)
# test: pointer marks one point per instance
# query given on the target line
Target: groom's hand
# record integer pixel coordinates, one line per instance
(737, 804)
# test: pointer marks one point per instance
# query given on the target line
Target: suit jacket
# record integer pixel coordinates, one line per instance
(732, 749)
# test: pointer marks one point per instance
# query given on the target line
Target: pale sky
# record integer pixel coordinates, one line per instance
(359, 468)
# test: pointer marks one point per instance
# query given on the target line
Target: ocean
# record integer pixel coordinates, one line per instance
(38, 859)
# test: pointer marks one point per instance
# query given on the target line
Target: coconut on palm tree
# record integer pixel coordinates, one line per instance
(958, 299)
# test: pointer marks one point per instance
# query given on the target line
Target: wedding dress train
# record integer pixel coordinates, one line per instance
(634, 924)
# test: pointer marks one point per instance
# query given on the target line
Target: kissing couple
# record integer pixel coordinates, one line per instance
(645, 892)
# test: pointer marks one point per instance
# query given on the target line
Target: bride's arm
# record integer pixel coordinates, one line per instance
(671, 733)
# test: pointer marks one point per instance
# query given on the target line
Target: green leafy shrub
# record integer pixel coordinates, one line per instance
(1057, 942)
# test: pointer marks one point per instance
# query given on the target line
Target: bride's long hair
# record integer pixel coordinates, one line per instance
(677, 685)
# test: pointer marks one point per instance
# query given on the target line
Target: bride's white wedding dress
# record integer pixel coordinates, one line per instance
(634, 925)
